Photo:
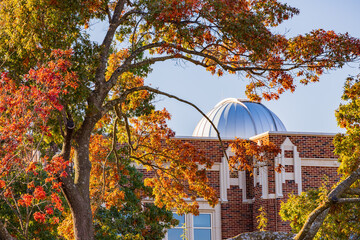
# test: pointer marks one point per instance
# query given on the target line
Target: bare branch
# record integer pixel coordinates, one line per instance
(114, 144)
(353, 191)
(308, 231)
(4, 234)
(127, 63)
(123, 96)
(348, 200)
(119, 115)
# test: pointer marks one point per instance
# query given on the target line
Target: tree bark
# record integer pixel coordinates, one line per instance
(81, 214)
(76, 188)
(83, 224)
(4, 234)
(80, 210)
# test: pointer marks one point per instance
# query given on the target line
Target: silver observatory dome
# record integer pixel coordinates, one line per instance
(238, 118)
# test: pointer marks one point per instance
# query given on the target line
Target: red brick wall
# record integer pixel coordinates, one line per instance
(238, 217)
(211, 148)
(308, 146)
(312, 177)
(214, 179)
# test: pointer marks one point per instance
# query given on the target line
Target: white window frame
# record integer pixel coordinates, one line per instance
(182, 227)
(215, 220)
(206, 228)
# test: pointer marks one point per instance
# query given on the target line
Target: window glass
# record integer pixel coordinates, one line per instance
(177, 232)
(203, 220)
(200, 229)
(202, 234)
(180, 218)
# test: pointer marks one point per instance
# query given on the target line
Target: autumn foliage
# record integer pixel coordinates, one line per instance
(29, 184)
(347, 146)
(79, 121)
(342, 219)
(249, 155)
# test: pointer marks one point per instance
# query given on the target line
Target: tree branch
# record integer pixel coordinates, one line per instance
(353, 191)
(105, 46)
(4, 234)
(348, 200)
(123, 96)
(127, 63)
(119, 115)
(313, 222)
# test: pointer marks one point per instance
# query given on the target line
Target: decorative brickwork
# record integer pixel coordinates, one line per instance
(236, 217)
(214, 179)
(306, 158)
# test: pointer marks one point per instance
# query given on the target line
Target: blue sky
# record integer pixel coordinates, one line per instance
(309, 109)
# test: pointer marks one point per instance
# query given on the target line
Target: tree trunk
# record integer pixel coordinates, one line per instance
(77, 195)
(76, 190)
(81, 215)
(81, 211)
(83, 224)
(4, 234)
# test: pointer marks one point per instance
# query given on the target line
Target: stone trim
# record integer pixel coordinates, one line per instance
(225, 176)
(320, 162)
(319, 134)
(296, 161)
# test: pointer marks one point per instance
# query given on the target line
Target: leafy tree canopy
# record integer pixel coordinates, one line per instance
(333, 209)
(85, 107)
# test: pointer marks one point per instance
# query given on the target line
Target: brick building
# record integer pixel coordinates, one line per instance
(307, 158)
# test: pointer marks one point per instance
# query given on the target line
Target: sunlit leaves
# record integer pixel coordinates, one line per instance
(231, 36)
(348, 116)
(30, 29)
(342, 222)
(173, 163)
(29, 176)
(247, 153)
